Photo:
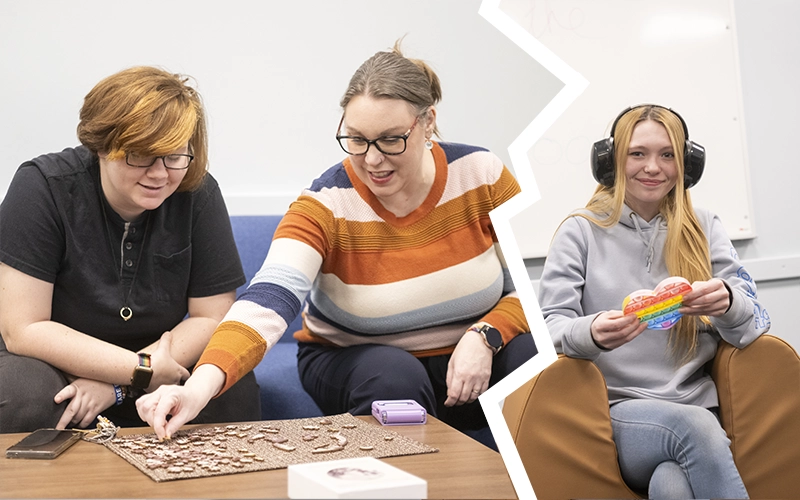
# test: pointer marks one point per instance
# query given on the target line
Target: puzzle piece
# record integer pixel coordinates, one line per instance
(658, 307)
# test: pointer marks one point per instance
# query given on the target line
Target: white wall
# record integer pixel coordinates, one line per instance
(769, 49)
(271, 74)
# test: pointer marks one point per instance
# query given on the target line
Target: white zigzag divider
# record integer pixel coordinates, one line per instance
(574, 85)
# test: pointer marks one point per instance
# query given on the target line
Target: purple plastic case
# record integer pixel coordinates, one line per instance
(399, 412)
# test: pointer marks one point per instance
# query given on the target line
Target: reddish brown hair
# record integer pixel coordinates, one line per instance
(148, 111)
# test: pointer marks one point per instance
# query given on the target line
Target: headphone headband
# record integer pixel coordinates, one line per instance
(631, 108)
(602, 155)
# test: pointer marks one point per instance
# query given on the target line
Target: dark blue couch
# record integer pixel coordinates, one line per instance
(282, 395)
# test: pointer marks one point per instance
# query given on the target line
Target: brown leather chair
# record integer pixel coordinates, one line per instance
(560, 423)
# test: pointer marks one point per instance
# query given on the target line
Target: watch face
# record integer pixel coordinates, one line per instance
(141, 377)
(494, 338)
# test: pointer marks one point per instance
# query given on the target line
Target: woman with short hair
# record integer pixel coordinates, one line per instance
(118, 262)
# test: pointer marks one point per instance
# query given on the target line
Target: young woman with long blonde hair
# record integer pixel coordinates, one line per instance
(639, 228)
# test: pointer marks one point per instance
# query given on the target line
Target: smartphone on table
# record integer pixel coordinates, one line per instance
(43, 444)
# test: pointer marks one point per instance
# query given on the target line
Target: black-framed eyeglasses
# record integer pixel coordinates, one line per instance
(388, 144)
(171, 162)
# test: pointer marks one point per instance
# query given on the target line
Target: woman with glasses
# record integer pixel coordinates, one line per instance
(408, 296)
(118, 262)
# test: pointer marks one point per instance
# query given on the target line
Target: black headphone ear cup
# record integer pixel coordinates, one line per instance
(694, 162)
(602, 160)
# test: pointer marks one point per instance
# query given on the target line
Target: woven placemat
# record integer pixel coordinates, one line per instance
(276, 444)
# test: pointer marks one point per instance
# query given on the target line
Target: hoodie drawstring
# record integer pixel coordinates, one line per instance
(651, 243)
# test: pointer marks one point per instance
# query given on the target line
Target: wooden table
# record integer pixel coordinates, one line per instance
(463, 468)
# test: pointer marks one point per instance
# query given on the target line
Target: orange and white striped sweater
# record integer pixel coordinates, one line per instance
(416, 282)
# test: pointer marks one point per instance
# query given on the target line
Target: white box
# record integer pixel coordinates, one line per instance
(364, 477)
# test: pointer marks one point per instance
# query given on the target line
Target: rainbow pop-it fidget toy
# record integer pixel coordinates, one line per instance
(659, 307)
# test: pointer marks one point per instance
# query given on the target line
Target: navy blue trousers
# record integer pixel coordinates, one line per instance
(349, 379)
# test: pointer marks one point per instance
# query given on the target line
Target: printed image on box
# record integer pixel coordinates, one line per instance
(364, 477)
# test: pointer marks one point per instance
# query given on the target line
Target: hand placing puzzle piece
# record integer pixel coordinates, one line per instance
(659, 307)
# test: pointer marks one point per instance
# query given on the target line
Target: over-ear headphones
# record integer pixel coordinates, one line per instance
(602, 157)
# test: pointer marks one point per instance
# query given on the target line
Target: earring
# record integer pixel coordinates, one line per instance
(428, 144)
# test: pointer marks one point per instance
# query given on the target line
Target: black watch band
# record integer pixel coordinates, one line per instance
(491, 337)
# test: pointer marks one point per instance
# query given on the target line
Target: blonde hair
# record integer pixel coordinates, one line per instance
(686, 249)
(391, 75)
(149, 111)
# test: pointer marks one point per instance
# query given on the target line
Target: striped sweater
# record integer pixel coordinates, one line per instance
(416, 282)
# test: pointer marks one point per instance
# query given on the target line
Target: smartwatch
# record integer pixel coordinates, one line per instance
(142, 373)
(491, 337)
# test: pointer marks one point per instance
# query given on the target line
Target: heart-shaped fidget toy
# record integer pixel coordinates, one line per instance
(659, 307)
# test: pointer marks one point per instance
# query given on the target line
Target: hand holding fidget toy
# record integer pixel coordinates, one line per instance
(658, 307)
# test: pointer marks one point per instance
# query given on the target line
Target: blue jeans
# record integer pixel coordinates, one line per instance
(674, 450)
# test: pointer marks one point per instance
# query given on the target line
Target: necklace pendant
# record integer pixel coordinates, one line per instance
(126, 313)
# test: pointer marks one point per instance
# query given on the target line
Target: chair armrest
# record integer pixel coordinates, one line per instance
(560, 423)
(759, 398)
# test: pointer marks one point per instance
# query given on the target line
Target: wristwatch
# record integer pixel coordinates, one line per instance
(142, 373)
(491, 337)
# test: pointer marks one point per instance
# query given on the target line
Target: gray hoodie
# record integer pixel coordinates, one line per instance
(590, 270)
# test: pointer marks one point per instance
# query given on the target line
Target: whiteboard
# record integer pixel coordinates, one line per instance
(681, 54)
(271, 74)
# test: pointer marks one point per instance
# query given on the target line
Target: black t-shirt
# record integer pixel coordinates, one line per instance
(56, 225)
